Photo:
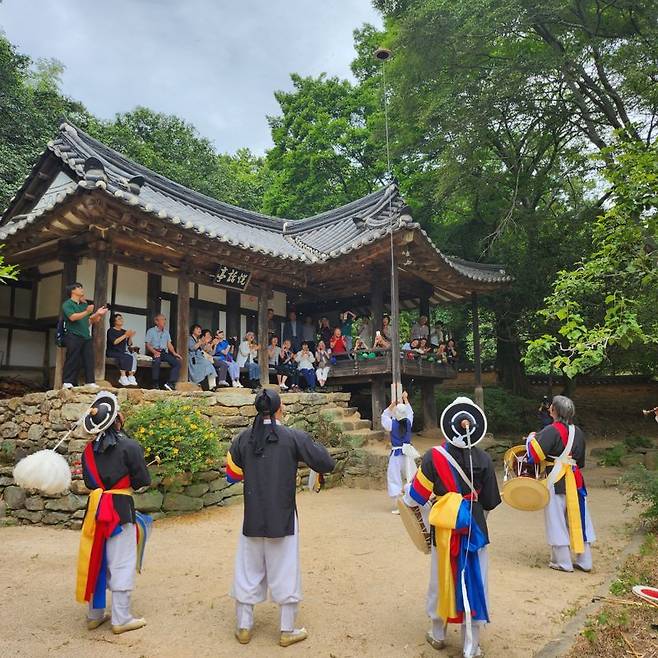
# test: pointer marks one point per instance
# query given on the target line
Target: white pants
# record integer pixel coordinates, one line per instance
(438, 630)
(557, 533)
(322, 374)
(121, 552)
(401, 469)
(262, 564)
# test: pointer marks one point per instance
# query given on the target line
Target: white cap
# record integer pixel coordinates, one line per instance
(401, 412)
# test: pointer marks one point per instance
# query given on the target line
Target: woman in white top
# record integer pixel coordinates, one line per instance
(305, 361)
(247, 357)
(323, 359)
(273, 352)
(287, 367)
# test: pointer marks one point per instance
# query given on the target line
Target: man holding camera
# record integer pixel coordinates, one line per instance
(79, 316)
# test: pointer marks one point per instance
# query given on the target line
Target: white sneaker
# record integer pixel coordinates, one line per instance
(132, 381)
(234, 384)
(93, 385)
(124, 381)
(283, 387)
(67, 385)
(168, 387)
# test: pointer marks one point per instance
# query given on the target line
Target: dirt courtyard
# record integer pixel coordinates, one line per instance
(364, 585)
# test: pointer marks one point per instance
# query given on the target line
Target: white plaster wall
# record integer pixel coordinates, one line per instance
(243, 326)
(86, 273)
(170, 285)
(4, 333)
(140, 324)
(249, 301)
(278, 303)
(210, 294)
(49, 291)
(5, 300)
(22, 303)
(131, 287)
(27, 348)
(222, 321)
(50, 266)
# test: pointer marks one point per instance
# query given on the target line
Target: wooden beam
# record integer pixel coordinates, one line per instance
(395, 331)
(99, 333)
(429, 404)
(263, 304)
(183, 323)
(377, 298)
(377, 401)
(233, 314)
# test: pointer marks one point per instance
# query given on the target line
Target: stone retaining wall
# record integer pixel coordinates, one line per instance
(40, 420)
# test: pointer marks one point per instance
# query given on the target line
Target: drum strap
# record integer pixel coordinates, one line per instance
(453, 462)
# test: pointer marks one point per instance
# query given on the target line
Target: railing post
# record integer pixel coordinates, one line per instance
(477, 358)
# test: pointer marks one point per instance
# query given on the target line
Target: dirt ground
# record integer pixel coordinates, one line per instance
(364, 585)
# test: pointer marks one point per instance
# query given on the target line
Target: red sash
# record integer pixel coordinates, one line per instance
(564, 435)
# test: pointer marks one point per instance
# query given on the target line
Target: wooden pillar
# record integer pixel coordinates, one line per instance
(183, 323)
(233, 314)
(396, 386)
(429, 405)
(377, 301)
(378, 401)
(99, 330)
(477, 358)
(69, 274)
(263, 360)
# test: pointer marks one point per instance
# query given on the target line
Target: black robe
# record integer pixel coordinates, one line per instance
(124, 457)
(270, 479)
(551, 443)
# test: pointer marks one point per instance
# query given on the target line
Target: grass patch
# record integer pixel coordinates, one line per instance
(613, 455)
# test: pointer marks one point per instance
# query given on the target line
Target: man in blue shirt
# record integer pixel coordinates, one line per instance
(160, 347)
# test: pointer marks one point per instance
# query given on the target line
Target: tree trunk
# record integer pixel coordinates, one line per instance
(511, 373)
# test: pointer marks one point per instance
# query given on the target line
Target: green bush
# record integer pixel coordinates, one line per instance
(636, 441)
(178, 433)
(612, 456)
(642, 484)
(327, 432)
(506, 413)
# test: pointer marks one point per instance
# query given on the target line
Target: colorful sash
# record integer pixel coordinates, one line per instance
(457, 556)
(102, 522)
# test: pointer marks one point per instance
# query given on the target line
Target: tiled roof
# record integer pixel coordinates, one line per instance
(310, 240)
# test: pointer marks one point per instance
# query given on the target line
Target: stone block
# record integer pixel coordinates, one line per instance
(34, 503)
(53, 518)
(15, 497)
(77, 445)
(149, 501)
(72, 411)
(212, 498)
(9, 430)
(35, 432)
(197, 490)
(220, 411)
(235, 397)
(651, 460)
(218, 485)
(68, 503)
(236, 489)
(136, 395)
(230, 421)
(78, 487)
(175, 502)
(233, 500)
(80, 514)
(74, 525)
(8, 521)
(3, 509)
(25, 515)
(7, 451)
(6, 481)
(206, 476)
(249, 411)
(177, 480)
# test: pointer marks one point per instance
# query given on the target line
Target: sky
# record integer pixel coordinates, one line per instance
(215, 63)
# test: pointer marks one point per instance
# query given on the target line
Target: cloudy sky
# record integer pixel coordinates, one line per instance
(215, 63)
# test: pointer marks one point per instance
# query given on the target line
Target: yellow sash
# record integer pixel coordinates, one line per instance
(573, 506)
(87, 538)
(443, 516)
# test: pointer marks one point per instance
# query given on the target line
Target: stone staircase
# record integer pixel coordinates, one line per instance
(349, 420)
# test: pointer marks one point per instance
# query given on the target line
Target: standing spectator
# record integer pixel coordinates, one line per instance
(273, 352)
(308, 332)
(79, 316)
(323, 359)
(248, 357)
(451, 352)
(437, 335)
(272, 329)
(209, 346)
(287, 367)
(346, 321)
(224, 354)
(325, 330)
(159, 345)
(338, 346)
(119, 341)
(198, 367)
(305, 361)
(292, 331)
(386, 327)
(420, 329)
(366, 330)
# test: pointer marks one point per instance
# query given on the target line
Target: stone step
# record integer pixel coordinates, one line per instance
(371, 435)
(349, 425)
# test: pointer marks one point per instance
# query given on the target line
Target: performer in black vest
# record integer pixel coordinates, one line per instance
(266, 457)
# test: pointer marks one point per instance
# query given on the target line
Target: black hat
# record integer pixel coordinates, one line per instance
(267, 402)
(101, 414)
(463, 423)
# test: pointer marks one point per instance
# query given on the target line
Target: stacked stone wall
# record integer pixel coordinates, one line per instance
(39, 420)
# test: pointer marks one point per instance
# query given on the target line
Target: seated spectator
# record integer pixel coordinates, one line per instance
(325, 330)
(346, 321)
(248, 358)
(160, 347)
(360, 345)
(308, 332)
(380, 342)
(365, 330)
(323, 359)
(224, 354)
(198, 367)
(209, 346)
(420, 329)
(437, 334)
(287, 368)
(386, 327)
(305, 361)
(119, 342)
(423, 347)
(338, 346)
(273, 352)
(451, 352)
(441, 355)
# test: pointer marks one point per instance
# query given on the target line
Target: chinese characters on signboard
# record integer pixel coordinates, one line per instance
(231, 277)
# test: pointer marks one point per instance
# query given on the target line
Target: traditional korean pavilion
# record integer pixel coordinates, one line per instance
(146, 245)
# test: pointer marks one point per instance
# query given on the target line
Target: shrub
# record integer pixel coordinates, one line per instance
(327, 432)
(177, 432)
(642, 485)
(612, 456)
